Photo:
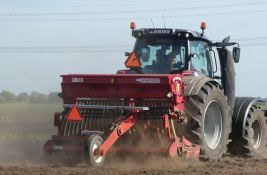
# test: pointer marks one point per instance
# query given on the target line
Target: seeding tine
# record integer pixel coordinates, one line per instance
(69, 128)
(97, 117)
(158, 133)
(72, 124)
(63, 124)
(83, 124)
(78, 128)
(89, 121)
(66, 128)
(72, 130)
(86, 123)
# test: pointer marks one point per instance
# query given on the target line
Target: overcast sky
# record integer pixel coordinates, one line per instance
(42, 39)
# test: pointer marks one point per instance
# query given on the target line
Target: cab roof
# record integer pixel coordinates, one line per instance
(167, 32)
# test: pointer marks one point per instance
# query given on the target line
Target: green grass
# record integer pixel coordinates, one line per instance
(262, 106)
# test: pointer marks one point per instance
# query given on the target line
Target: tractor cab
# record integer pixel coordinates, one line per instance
(168, 51)
(172, 51)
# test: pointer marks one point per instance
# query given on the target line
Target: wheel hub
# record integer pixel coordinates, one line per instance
(213, 124)
(96, 156)
(256, 134)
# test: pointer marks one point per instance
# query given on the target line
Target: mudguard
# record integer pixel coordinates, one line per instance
(227, 75)
(194, 82)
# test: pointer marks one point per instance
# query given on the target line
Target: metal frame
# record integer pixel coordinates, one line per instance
(177, 146)
(142, 108)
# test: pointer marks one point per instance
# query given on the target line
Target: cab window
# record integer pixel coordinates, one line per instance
(162, 55)
(200, 57)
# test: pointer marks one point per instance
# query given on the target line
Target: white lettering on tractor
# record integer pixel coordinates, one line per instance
(148, 80)
(160, 31)
(77, 80)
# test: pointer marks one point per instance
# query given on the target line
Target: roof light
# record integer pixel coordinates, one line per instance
(203, 26)
(132, 25)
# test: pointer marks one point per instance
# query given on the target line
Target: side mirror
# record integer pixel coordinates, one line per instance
(236, 54)
(127, 54)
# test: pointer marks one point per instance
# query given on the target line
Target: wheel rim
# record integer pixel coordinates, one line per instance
(256, 136)
(97, 158)
(213, 124)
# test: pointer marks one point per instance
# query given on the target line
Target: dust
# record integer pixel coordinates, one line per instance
(153, 139)
(24, 129)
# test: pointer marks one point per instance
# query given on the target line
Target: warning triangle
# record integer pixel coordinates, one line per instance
(74, 114)
(132, 61)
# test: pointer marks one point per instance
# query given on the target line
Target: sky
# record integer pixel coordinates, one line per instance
(43, 39)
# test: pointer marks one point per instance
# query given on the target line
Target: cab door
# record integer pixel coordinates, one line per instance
(200, 59)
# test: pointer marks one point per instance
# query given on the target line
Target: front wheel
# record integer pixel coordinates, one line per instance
(93, 144)
(209, 121)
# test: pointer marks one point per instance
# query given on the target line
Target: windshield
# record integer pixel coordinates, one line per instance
(161, 56)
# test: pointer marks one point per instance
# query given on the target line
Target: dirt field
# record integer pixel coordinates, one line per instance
(24, 129)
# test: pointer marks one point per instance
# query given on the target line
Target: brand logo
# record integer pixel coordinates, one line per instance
(77, 80)
(160, 31)
(148, 80)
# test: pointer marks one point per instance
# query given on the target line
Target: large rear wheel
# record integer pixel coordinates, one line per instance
(209, 121)
(252, 142)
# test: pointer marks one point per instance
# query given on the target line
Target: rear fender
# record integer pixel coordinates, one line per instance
(193, 83)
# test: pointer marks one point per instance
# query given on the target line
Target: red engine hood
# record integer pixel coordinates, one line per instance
(116, 86)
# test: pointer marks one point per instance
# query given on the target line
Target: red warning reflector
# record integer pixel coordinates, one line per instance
(132, 61)
(74, 114)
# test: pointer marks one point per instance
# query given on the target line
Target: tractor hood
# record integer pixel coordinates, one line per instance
(116, 86)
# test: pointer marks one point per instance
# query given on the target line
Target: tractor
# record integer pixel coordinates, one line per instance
(176, 97)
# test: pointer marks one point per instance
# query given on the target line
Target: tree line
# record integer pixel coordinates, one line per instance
(33, 97)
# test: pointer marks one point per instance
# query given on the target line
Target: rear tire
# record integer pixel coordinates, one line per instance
(209, 121)
(253, 141)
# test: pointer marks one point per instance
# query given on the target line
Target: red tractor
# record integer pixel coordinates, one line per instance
(176, 97)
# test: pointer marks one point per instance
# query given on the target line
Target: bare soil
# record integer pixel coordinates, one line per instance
(25, 128)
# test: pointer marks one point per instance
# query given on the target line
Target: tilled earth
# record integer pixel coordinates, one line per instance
(25, 128)
(227, 166)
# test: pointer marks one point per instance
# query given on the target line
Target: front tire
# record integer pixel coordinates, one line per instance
(94, 142)
(209, 121)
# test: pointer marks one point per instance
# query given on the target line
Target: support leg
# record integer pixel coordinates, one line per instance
(116, 133)
(182, 145)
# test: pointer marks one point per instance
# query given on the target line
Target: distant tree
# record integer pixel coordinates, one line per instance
(23, 97)
(37, 97)
(7, 97)
(52, 97)
(33, 97)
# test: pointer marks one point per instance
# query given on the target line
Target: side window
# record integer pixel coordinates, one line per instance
(200, 59)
